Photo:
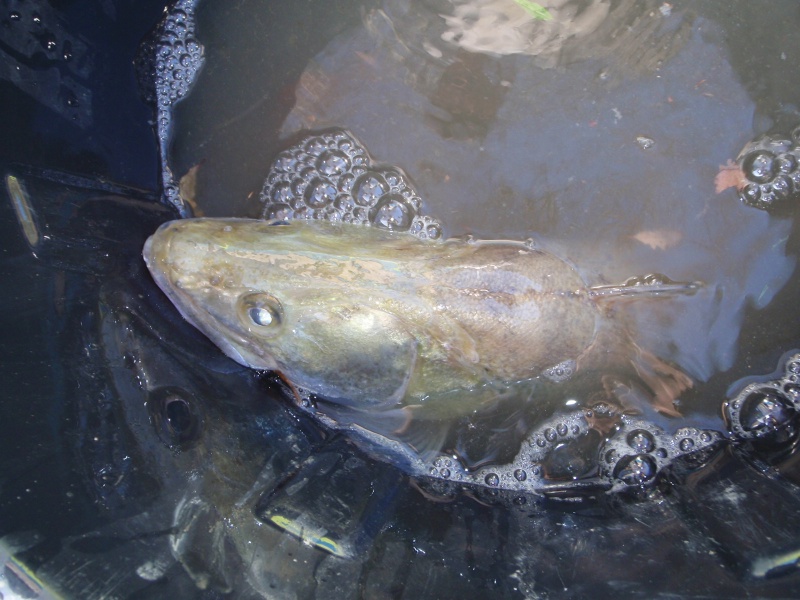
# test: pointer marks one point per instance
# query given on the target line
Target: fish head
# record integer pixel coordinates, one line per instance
(282, 296)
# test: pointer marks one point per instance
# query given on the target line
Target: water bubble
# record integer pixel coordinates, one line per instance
(787, 163)
(369, 188)
(433, 231)
(444, 473)
(344, 203)
(768, 197)
(285, 162)
(751, 195)
(282, 193)
(392, 212)
(570, 460)
(662, 453)
(345, 183)
(686, 444)
(492, 480)
(550, 434)
(635, 470)
(393, 178)
(320, 193)
(760, 166)
(766, 413)
(793, 367)
(520, 475)
(541, 442)
(705, 437)
(561, 429)
(315, 146)
(782, 186)
(611, 456)
(308, 173)
(332, 163)
(560, 372)
(641, 441)
(792, 389)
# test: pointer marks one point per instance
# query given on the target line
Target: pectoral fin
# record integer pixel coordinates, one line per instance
(362, 356)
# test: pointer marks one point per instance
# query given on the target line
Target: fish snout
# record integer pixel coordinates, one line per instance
(157, 247)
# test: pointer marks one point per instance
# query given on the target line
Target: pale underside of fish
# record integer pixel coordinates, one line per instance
(378, 320)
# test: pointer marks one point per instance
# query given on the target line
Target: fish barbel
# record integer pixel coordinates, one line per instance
(373, 318)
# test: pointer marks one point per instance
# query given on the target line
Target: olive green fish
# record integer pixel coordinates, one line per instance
(372, 318)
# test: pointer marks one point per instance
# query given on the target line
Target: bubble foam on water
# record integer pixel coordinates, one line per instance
(765, 416)
(330, 175)
(573, 455)
(167, 65)
(770, 167)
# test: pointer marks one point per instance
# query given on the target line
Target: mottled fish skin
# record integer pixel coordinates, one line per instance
(371, 317)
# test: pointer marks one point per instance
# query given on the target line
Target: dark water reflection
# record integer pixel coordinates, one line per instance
(163, 463)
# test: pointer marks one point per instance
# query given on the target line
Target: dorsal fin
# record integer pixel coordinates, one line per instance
(653, 284)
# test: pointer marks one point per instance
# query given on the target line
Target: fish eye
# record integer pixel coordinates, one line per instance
(260, 310)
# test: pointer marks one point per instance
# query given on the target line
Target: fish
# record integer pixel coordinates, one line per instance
(375, 319)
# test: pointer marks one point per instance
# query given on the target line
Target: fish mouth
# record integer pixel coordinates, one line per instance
(156, 253)
(156, 248)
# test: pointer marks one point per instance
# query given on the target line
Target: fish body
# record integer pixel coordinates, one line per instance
(373, 318)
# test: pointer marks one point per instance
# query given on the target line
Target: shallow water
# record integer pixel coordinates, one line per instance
(597, 137)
